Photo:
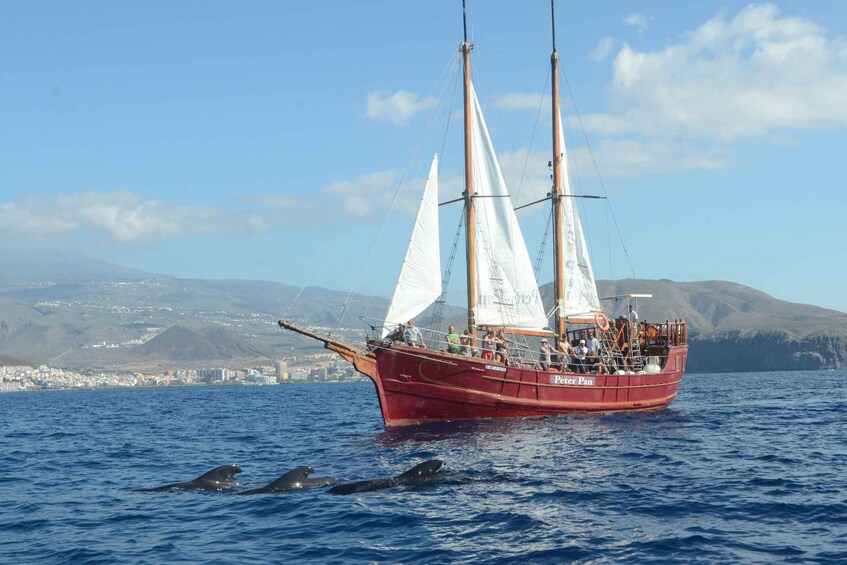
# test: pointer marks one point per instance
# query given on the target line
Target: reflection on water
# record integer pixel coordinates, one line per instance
(575, 425)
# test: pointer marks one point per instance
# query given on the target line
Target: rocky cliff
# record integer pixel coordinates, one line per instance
(737, 328)
(765, 351)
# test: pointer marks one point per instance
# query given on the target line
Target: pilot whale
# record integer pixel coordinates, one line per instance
(219, 478)
(416, 475)
(292, 480)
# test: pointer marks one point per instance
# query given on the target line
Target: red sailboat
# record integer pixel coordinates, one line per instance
(424, 375)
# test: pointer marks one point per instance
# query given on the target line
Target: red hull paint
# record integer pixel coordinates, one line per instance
(416, 386)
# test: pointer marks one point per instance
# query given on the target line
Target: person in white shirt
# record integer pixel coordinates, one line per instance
(580, 352)
(544, 355)
(414, 336)
(593, 360)
(593, 345)
(633, 315)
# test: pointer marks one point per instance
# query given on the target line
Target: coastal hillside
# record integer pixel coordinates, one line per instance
(74, 313)
(122, 320)
(720, 307)
(180, 343)
(160, 323)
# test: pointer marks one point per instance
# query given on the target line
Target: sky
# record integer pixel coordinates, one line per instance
(287, 141)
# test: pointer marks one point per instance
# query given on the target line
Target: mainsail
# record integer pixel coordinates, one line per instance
(507, 291)
(419, 283)
(580, 290)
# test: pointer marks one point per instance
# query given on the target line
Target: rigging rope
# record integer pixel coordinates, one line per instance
(581, 212)
(416, 155)
(540, 258)
(306, 283)
(437, 314)
(599, 176)
(532, 139)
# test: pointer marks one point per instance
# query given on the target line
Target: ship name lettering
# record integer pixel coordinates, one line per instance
(564, 380)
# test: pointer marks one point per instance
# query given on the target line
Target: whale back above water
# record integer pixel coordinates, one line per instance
(293, 480)
(422, 471)
(417, 474)
(219, 478)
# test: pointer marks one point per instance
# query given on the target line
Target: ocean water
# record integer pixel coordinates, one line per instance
(745, 468)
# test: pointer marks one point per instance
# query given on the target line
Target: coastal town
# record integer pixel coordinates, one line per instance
(315, 368)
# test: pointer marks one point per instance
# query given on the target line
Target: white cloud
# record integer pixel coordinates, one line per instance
(397, 107)
(526, 174)
(123, 217)
(755, 74)
(751, 75)
(603, 49)
(372, 195)
(783, 140)
(521, 101)
(361, 195)
(636, 20)
(636, 157)
(605, 124)
(278, 201)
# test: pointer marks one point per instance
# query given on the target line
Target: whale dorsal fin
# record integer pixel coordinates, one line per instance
(425, 469)
(293, 476)
(220, 474)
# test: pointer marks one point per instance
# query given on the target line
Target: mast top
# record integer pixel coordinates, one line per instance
(552, 23)
(465, 21)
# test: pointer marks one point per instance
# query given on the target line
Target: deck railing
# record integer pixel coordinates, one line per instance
(627, 347)
(624, 346)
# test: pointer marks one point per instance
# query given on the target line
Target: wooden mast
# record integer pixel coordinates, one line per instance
(559, 264)
(470, 243)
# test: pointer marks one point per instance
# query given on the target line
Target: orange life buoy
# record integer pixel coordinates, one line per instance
(602, 321)
(652, 331)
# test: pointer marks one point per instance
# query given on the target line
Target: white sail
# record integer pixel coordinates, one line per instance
(419, 283)
(580, 290)
(507, 292)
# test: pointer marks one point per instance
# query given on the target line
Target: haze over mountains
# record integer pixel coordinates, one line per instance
(75, 313)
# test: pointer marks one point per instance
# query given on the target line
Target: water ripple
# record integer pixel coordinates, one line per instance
(737, 471)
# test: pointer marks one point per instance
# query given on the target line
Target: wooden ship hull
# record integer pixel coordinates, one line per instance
(417, 385)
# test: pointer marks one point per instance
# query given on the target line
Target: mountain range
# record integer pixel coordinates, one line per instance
(76, 313)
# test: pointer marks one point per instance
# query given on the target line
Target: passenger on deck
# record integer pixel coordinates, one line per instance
(414, 336)
(565, 354)
(452, 340)
(617, 329)
(544, 355)
(633, 315)
(488, 345)
(593, 345)
(399, 334)
(466, 344)
(625, 360)
(501, 347)
(580, 351)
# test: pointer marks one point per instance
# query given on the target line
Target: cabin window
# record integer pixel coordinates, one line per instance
(678, 363)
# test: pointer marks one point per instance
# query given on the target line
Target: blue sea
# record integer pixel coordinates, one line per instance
(747, 467)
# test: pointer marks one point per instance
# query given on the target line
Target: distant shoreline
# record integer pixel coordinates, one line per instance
(188, 385)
